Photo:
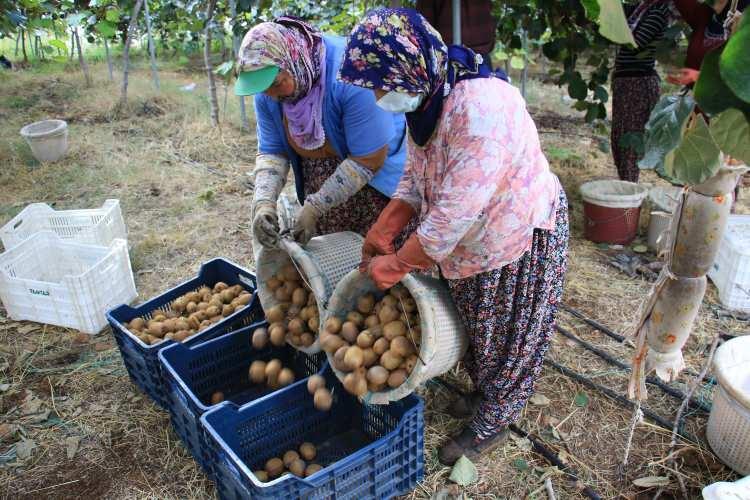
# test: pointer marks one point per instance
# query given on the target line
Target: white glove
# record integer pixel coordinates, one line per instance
(270, 176)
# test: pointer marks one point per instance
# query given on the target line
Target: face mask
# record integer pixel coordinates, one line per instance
(399, 102)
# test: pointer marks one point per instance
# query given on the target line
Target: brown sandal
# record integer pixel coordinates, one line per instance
(466, 443)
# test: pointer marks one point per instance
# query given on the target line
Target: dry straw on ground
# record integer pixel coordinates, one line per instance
(183, 189)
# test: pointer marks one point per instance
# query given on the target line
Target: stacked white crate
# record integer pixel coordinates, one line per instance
(66, 268)
(731, 270)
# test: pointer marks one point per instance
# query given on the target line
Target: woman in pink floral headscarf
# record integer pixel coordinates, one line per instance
(347, 154)
(492, 215)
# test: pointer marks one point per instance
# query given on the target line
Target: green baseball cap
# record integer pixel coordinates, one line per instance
(255, 81)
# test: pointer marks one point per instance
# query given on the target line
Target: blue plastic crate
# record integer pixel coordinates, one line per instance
(367, 451)
(194, 373)
(141, 360)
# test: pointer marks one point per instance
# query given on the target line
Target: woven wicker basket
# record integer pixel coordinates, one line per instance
(728, 430)
(444, 341)
(322, 263)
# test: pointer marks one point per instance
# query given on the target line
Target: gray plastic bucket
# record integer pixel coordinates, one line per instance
(48, 139)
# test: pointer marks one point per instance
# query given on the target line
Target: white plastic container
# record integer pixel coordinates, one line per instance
(96, 226)
(731, 270)
(48, 139)
(728, 430)
(726, 490)
(49, 280)
(443, 339)
(322, 262)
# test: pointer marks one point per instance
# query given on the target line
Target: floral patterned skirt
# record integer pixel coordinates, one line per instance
(509, 316)
(358, 213)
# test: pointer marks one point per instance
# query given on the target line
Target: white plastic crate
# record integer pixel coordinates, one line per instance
(731, 270)
(60, 282)
(96, 226)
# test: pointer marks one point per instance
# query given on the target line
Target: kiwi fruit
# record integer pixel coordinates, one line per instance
(390, 360)
(227, 310)
(296, 326)
(179, 304)
(322, 399)
(370, 358)
(227, 296)
(260, 338)
(244, 298)
(299, 297)
(193, 322)
(331, 343)
(354, 358)
(377, 375)
(314, 383)
(282, 295)
(156, 329)
(257, 372)
(307, 451)
(356, 383)
(286, 377)
(349, 332)
(169, 336)
(137, 323)
(312, 469)
(381, 345)
(356, 318)
(307, 339)
(387, 314)
(273, 368)
(371, 321)
(394, 329)
(365, 339)
(204, 324)
(181, 324)
(169, 325)
(402, 346)
(410, 363)
(212, 311)
(159, 316)
(389, 300)
(217, 397)
(396, 378)
(297, 468)
(274, 467)
(289, 457)
(191, 307)
(261, 476)
(313, 323)
(399, 291)
(216, 301)
(333, 325)
(278, 336)
(273, 284)
(219, 286)
(366, 303)
(338, 358)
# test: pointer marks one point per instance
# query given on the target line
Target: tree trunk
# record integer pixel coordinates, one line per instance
(151, 48)
(525, 72)
(235, 51)
(59, 52)
(126, 52)
(81, 60)
(72, 45)
(23, 46)
(39, 48)
(212, 99)
(18, 39)
(109, 61)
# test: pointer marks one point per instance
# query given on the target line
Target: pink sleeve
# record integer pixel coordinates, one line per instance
(474, 170)
(407, 188)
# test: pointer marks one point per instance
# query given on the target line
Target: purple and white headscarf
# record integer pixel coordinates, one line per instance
(298, 48)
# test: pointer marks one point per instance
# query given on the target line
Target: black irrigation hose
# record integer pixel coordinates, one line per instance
(660, 421)
(552, 458)
(538, 446)
(677, 394)
(610, 333)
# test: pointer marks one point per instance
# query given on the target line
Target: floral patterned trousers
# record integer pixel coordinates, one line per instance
(509, 316)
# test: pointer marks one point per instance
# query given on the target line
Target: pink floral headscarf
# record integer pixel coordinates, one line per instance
(298, 48)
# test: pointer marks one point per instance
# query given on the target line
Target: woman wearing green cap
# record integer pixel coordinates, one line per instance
(347, 154)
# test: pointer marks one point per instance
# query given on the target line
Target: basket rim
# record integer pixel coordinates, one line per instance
(60, 127)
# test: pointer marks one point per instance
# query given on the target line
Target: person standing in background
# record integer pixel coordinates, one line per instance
(635, 83)
(478, 27)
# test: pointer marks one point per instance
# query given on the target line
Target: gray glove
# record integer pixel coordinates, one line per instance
(270, 176)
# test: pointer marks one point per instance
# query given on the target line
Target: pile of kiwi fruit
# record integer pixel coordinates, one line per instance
(377, 345)
(190, 313)
(295, 318)
(298, 462)
(273, 374)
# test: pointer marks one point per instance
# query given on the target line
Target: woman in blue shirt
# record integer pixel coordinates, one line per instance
(347, 154)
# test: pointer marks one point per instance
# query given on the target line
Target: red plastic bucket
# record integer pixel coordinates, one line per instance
(611, 210)
(617, 226)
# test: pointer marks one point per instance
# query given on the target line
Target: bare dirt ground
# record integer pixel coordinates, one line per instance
(73, 426)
